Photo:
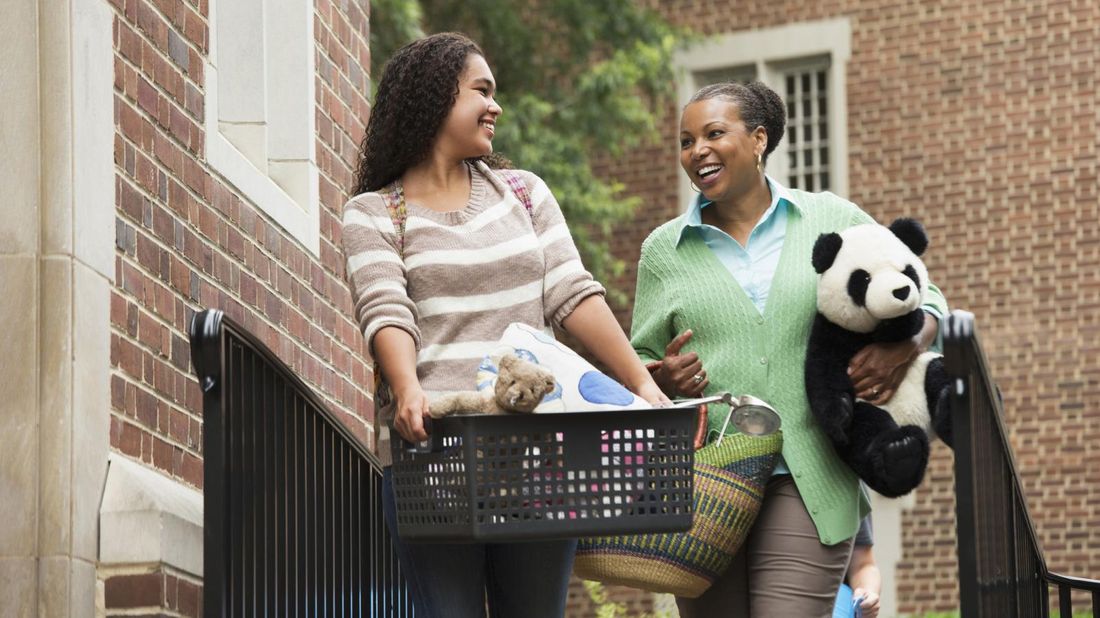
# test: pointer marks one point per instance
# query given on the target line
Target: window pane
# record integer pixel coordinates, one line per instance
(807, 94)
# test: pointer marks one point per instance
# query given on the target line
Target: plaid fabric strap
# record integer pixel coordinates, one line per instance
(516, 184)
(394, 197)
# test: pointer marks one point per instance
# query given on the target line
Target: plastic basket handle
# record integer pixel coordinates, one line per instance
(434, 443)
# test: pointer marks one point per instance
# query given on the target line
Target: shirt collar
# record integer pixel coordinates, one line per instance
(694, 215)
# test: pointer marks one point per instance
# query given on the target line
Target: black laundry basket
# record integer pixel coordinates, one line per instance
(543, 476)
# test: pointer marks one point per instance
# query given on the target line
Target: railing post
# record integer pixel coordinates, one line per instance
(208, 356)
(959, 329)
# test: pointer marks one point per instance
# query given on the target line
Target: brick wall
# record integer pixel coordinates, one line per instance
(981, 119)
(186, 240)
(159, 592)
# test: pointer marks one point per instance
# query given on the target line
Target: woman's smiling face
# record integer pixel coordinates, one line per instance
(471, 123)
(717, 152)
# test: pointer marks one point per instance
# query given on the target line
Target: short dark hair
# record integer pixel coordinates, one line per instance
(418, 88)
(758, 105)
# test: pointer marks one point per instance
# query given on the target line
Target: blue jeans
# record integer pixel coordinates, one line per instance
(452, 580)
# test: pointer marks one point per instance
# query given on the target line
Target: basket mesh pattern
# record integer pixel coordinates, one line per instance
(548, 476)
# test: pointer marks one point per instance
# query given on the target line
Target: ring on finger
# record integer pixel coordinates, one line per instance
(874, 391)
(697, 378)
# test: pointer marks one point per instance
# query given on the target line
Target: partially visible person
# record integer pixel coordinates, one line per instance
(725, 300)
(864, 576)
(465, 251)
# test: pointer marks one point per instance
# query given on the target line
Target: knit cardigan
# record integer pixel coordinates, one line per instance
(682, 285)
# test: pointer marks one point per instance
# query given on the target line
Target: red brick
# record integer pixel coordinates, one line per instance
(134, 591)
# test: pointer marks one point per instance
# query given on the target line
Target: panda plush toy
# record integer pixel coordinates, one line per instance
(871, 287)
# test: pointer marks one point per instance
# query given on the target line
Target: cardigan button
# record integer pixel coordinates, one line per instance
(763, 360)
(759, 319)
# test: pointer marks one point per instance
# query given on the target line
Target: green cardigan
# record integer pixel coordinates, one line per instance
(682, 284)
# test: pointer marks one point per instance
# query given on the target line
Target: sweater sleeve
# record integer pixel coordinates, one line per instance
(651, 323)
(566, 282)
(375, 270)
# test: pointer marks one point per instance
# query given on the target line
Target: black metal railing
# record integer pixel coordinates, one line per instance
(293, 516)
(1002, 572)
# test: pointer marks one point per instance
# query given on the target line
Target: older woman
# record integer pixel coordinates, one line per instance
(725, 300)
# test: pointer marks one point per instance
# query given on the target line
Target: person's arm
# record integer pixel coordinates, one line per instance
(883, 366)
(395, 356)
(593, 324)
(865, 579)
(382, 307)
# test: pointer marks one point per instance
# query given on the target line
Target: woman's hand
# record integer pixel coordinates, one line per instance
(878, 369)
(869, 604)
(412, 407)
(653, 394)
(680, 374)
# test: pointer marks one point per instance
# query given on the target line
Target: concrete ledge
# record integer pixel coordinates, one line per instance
(147, 517)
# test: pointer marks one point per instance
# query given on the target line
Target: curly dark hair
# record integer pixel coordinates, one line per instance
(418, 88)
(758, 105)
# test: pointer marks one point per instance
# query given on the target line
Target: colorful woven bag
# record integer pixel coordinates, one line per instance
(729, 486)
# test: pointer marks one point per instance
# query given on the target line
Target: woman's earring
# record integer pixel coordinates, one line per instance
(693, 187)
(760, 163)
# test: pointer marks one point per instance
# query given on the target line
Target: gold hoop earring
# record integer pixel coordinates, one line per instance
(693, 187)
(760, 163)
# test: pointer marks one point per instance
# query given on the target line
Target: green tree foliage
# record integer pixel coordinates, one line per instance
(577, 79)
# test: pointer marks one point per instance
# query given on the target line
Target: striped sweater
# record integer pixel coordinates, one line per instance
(461, 277)
(682, 284)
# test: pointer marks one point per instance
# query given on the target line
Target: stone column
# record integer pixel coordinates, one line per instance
(56, 265)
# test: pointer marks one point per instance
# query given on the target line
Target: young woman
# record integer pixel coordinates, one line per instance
(478, 250)
(733, 276)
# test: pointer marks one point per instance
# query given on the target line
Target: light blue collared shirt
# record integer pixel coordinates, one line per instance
(753, 266)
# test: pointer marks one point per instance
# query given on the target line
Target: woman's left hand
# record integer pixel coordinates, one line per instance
(870, 603)
(653, 394)
(878, 369)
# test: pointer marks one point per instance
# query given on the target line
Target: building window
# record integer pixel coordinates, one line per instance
(806, 92)
(805, 64)
(260, 102)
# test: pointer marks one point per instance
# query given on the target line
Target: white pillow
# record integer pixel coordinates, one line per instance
(580, 387)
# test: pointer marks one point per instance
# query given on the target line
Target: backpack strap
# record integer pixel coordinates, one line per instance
(394, 197)
(518, 186)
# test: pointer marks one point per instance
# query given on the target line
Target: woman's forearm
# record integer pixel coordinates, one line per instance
(395, 355)
(593, 324)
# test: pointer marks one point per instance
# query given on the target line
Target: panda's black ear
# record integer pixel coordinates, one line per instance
(911, 233)
(825, 250)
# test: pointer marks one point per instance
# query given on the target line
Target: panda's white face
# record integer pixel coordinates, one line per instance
(874, 277)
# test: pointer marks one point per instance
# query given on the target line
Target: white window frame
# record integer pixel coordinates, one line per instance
(770, 50)
(261, 126)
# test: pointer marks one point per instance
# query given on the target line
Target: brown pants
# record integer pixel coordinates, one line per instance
(782, 570)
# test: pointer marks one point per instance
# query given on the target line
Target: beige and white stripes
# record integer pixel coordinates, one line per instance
(465, 275)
